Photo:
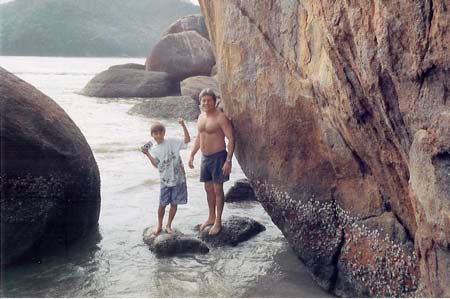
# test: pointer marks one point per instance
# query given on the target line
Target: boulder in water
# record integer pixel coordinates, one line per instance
(182, 55)
(234, 230)
(173, 244)
(123, 82)
(50, 182)
(193, 22)
(134, 66)
(168, 107)
(240, 191)
(192, 86)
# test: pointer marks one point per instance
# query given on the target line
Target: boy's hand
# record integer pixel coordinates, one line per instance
(144, 150)
(180, 121)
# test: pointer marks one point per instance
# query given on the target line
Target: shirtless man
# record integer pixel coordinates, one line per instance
(213, 126)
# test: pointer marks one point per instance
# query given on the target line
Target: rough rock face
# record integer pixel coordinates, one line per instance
(192, 86)
(126, 82)
(341, 116)
(50, 182)
(168, 107)
(182, 55)
(188, 23)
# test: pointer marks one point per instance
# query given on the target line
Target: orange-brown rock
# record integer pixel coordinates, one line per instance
(341, 118)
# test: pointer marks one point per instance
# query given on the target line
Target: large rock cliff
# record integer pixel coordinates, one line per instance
(342, 118)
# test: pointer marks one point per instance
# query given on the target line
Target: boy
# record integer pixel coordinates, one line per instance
(165, 156)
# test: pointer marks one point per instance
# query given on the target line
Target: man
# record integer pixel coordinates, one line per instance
(213, 126)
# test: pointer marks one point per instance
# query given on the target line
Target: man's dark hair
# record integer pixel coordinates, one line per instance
(207, 92)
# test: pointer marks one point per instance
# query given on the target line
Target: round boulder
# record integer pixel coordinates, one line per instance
(168, 107)
(134, 66)
(50, 182)
(193, 22)
(240, 191)
(120, 82)
(234, 230)
(192, 86)
(182, 55)
(173, 244)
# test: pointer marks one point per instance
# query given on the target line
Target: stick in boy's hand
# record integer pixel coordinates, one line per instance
(180, 120)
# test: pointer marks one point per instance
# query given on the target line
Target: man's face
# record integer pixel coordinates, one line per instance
(207, 103)
(158, 136)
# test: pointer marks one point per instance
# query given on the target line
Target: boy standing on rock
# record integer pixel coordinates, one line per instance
(213, 127)
(165, 156)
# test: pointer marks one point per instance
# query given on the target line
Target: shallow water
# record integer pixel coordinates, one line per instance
(114, 262)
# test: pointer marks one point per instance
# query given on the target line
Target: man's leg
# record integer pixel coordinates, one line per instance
(161, 212)
(219, 199)
(209, 188)
(172, 212)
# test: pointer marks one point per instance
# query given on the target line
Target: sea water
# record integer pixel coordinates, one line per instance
(114, 262)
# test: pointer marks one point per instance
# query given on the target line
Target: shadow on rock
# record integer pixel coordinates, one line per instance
(234, 231)
(164, 244)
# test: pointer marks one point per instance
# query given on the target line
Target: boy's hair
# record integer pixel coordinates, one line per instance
(157, 127)
(207, 92)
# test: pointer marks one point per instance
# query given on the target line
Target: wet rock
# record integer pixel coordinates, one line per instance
(123, 82)
(168, 107)
(188, 23)
(240, 191)
(182, 55)
(235, 230)
(335, 103)
(192, 86)
(134, 66)
(50, 182)
(173, 244)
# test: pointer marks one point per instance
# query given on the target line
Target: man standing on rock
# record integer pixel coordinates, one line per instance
(213, 126)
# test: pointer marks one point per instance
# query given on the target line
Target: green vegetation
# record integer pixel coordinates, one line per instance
(86, 27)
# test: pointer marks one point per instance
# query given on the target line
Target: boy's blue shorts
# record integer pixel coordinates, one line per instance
(176, 195)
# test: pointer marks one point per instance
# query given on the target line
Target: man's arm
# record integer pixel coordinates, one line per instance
(194, 150)
(227, 128)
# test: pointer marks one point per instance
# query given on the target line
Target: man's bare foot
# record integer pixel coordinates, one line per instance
(156, 231)
(215, 229)
(169, 230)
(207, 223)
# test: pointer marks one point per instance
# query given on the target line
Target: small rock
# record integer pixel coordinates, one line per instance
(241, 190)
(173, 244)
(235, 230)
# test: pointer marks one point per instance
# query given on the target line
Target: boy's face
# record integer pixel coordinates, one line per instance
(158, 136)
(207, 103)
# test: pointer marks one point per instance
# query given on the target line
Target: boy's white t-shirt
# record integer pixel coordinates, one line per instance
(170, 166)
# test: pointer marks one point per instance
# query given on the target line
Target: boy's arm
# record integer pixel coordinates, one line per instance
(187, 137)
(150, 157)
(194, 151)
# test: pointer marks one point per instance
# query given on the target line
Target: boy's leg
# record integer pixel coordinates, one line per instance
(209, 188)
(161, 212)
(172, 212)
(219, 199)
